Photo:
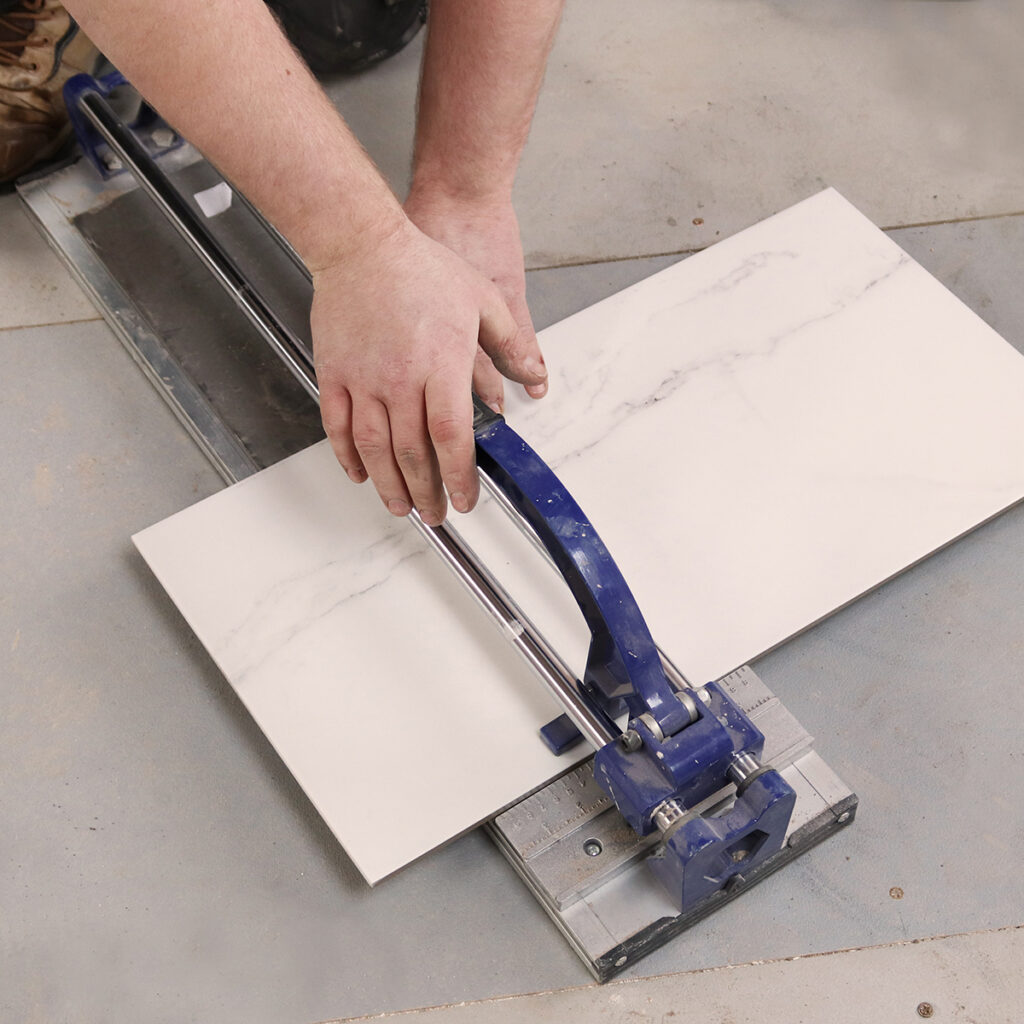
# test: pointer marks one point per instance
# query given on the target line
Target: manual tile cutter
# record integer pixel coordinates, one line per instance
(699, 794)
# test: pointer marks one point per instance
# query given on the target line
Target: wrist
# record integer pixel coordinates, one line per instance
(335, 241)
(434, 185)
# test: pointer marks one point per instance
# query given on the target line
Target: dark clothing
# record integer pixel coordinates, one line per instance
(347, 35)
(339, 35)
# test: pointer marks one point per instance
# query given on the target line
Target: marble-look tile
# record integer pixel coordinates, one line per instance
(761, 434)
(35, 288)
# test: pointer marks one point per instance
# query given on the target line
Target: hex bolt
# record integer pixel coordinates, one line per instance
(631, 741)
(162, 137)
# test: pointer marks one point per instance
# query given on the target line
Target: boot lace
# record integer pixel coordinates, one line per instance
(16, 27)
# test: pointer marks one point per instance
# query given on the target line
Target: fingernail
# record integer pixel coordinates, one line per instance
(537, 390)
(496, 406)
(536, 367)
(356, 475)
(398, 508)
(459, 502)
(430, 517)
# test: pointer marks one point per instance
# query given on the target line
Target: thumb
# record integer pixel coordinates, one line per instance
(513, 348)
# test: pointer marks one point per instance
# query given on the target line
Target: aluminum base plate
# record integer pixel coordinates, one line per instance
(586, 865)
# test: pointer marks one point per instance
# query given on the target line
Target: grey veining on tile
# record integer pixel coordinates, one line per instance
(761, 433)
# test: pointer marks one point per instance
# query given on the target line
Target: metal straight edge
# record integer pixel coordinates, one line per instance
(292, 351)
(220, 445)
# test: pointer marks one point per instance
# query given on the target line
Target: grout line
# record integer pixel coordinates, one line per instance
(956, 220)
(694, 249)
(52, 323)
(618, 259)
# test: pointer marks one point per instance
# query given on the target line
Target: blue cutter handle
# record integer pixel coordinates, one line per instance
(623, 662)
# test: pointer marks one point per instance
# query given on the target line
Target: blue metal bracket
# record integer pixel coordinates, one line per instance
(146, 121)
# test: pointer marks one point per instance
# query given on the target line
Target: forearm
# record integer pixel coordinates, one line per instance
(225, 76)
(482, 71)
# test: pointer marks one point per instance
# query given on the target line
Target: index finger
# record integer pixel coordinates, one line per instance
(449, 402)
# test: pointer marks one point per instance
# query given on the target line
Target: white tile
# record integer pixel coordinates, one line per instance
(760, 433)
(35, 288)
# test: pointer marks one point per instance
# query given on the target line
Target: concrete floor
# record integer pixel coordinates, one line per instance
(157, 861)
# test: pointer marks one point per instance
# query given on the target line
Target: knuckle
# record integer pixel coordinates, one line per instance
(337, 425)
(411, 458)
(395, 378)
(506, 348)
(370, 443)
(451, 432)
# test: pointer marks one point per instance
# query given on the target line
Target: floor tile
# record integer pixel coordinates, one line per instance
(666, 126)
(889, 981)
(34, 286)
(979, 261)
(761, 434)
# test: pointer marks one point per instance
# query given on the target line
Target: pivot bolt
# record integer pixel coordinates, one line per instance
(631, 741)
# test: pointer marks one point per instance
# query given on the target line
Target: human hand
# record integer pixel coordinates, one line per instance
(396, 328)
(484, 232)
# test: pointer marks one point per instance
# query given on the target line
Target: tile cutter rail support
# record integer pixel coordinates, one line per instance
(682, 748)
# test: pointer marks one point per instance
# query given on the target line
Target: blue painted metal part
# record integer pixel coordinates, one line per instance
(560, 734)
(704, 854)
(623, 661)
(687, 749)
(92, 143)
(690, 766)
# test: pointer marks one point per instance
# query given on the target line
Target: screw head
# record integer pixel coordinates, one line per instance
(162, 137)
(925, 1009)
(843, 818)
(593, 847)
(631, 741)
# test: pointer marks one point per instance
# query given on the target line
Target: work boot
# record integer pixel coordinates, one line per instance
(40, 49)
